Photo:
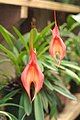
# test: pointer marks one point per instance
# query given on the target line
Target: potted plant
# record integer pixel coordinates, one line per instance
(37, 60)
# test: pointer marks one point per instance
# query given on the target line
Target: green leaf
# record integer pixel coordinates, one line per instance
(1, 87)
(41, 66)
(53, 112)
(70, 65)
(21, 112)
(44, 101)
(47, 65)
(11, 104)
(73, 21)
(35, 33)
(53, 103)
(22, 57)
(70, 21)
(76, 17)
(48, 84)
(9, 115)
(25, 59)
(74, 26)
(73, 75)
(26, 36)
(43, 51)
(6, 114)
(23, 117)
(12, 57)
(62, 26)
(7, 36)
(12, 116)
(19, 45)
(50, 61)
(21, 38)
(9, 53)
(38, 108)
(8, 96)
(64, 92)
(44, 32)
(42, 46)
(15, 51)
(27, 104)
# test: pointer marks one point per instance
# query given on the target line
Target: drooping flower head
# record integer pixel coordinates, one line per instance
(57, 48)
(32, 74)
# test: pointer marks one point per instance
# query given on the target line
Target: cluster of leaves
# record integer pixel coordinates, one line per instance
(70, 31)
(17, 51)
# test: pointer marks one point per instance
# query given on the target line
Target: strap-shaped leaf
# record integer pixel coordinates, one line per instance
(53, 104)
(12, 116)
(9, 53)
(8, 96)
(41, 47)
(75, 25)
(11, 104)
(53, 112)
(70, 65)
(6, 114)
(44, 32)
(23, 117)
(21, 111)
(34, 34)
(38, 108)
(23, 58)
(75, 77)
(12, 57)
(41, 65)
(44, 101)
(43, 51)
(9, 115)
(50, 61)
(15, 51)
(62, 90)
(48, 84)
(7, 36)
(21, 38)
(27, 104)
(47, 65)
(1, 87)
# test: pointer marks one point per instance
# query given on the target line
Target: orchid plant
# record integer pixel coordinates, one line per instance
(37, 59)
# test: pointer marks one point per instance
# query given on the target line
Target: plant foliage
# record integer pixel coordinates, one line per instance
(17, 51)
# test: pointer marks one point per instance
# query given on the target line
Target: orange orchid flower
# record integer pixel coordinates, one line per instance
(57, 48)
(32, 74)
